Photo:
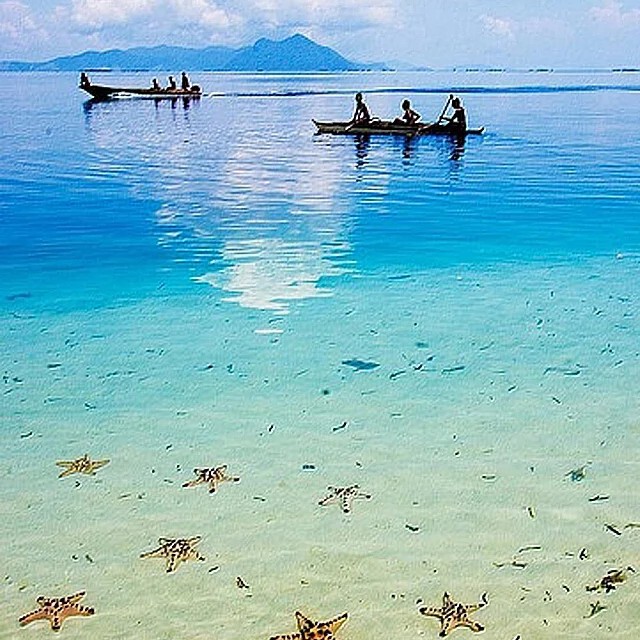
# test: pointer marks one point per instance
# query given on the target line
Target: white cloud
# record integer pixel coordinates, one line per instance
(17, 25)
(501, 27)
(100, 14)
(613, 14)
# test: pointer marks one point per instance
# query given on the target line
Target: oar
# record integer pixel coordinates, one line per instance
(446, 106)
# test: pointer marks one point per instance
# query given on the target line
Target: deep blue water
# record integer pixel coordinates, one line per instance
(109, 201)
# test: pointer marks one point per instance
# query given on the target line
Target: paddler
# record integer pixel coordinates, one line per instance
(361, 115)
(458, 121)
(409, 115)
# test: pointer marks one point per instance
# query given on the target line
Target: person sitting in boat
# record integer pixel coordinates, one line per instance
(84, 80)
(458, 121)
(361, 115)
(155, 85)
(186, 85)
(409, 116)
(172, 86)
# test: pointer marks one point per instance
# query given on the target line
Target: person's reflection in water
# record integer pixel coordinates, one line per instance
(452, 152)
(457, 148)
(363, 141)
(407, 149)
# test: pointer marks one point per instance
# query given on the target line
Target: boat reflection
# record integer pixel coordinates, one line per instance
(362, 142)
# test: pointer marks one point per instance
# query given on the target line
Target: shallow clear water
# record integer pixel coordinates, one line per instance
(189, 285)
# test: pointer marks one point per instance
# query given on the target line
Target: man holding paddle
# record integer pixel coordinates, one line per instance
(457, 122)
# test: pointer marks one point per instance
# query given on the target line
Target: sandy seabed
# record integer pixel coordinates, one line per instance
(491, 387)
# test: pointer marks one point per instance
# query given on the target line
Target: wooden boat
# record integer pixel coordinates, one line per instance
(101, 92)
(387, 127)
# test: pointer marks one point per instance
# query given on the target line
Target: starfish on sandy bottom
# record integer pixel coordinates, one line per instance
(175, 550)
(212, 476)
(344, 495)
(310, 630)
(56, 610)
(81, 465)
(453, 614)
(613, 578)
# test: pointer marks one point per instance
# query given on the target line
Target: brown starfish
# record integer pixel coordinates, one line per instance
(345, 495)
(453, 614)
(81, 465)
(175, 550)
(310, 630)
(212, 476)
(57, 610)
(613, 578)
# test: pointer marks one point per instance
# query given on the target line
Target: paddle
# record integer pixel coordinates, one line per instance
(426, 127)
(446, 106)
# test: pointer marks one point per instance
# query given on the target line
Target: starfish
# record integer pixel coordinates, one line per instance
(57, 610)
(212, 476)
(310, 630)
(453, 614)
(613, 578)
(346, 496)
(81, 465)
(175, 550)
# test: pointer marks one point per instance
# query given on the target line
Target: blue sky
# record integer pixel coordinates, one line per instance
(516, 33)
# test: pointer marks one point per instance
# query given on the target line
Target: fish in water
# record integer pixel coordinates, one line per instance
(361, 365)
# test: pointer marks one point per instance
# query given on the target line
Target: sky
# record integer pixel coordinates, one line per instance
(431, 33)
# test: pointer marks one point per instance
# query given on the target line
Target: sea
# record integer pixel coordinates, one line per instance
(452, 326)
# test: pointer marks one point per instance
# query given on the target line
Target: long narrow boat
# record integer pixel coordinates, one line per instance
(102, 92)
(386, 127)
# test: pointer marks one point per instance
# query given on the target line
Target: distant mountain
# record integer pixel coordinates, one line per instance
(294, 54)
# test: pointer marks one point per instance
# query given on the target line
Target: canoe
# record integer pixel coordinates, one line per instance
(386, 127)
(101, 92)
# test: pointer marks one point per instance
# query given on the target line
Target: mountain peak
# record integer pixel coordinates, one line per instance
(296, 53)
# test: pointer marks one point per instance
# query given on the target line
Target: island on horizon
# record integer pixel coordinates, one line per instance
(297, 53)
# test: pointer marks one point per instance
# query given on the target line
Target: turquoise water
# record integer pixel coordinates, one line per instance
(454, 328)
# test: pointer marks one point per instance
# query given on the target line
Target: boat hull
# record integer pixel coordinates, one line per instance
(383, 127)
(102, 92)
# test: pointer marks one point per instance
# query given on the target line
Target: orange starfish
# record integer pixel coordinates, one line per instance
(175, 550)
(57, 610)
(310, 630)
(212, 476)
(345, 496)
(81, 465)
(453, 614)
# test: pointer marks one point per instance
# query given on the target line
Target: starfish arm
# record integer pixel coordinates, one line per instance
(32, 616)
(76, 597)
(196, 555)
(304, 623)
(431, 611)
(346, 501)
(337, 622)
(471, 624)
(472, 608)
(289, 636)
(172, 562)
(363, 496)
(213, 485)
(98, 464)
(68, 470)
(156, 553)
(330, 499)
(193, 483)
